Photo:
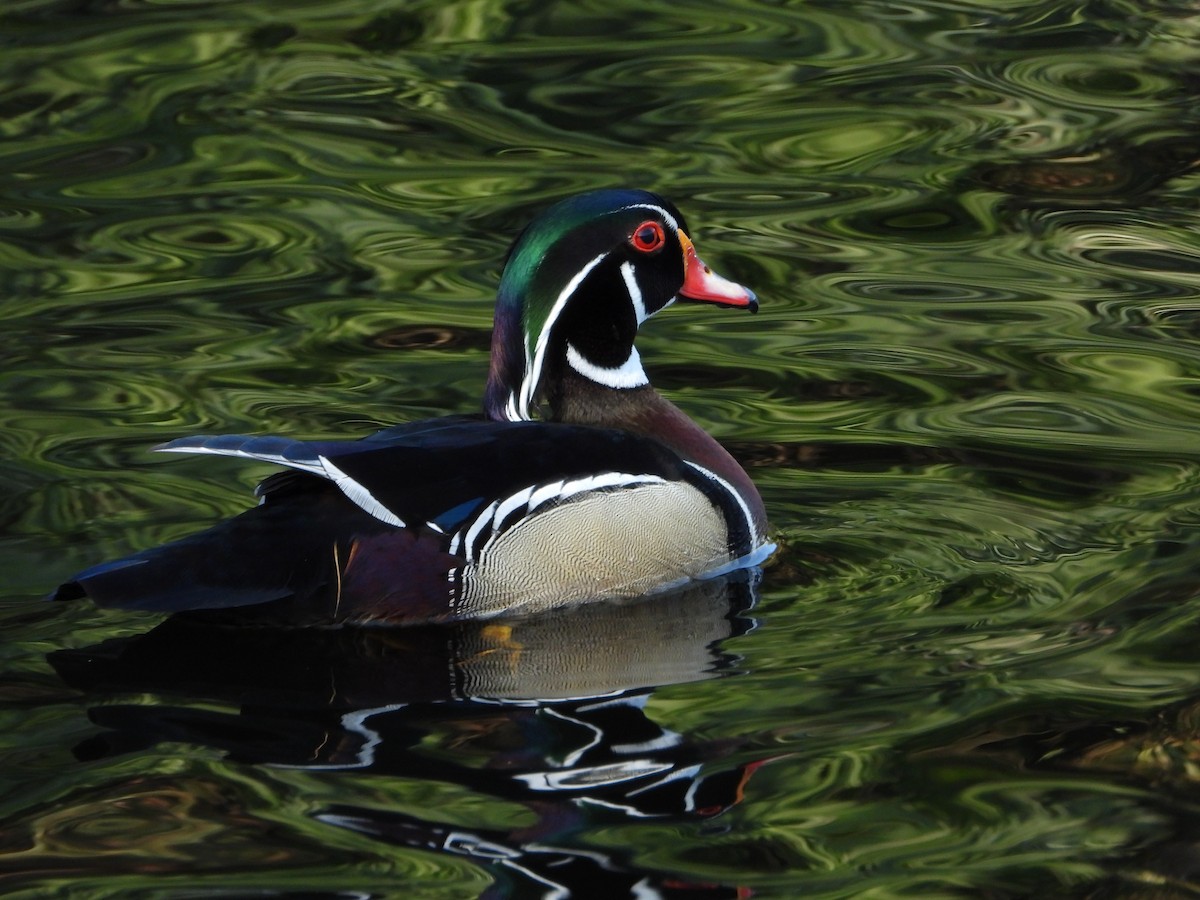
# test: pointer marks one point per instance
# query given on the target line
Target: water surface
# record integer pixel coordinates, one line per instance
(969, 400)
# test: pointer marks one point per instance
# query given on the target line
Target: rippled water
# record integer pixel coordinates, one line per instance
(970, 400)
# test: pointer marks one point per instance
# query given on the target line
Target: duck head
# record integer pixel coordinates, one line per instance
(579, 281)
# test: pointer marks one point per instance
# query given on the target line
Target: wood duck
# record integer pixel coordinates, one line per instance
(611, 492)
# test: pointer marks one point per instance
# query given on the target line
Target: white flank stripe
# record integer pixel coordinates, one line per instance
(604, 480)
(531, 498)
(750, 529)
(635, 292)
(544, 493)
(629, 374)
(557, 491)
(533, 369)
(658, 209)
(520, 498)
(476, 527)
(359, 494)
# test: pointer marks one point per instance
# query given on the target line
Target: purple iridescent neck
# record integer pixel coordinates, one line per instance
(580, 401)
(502, 394)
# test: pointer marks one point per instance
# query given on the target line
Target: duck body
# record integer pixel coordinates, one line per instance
(612, 493)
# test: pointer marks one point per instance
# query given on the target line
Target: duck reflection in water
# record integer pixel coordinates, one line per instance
(546, 711)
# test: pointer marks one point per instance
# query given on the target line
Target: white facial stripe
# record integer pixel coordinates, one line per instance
(518, 407)
(667, 217)
(533, 368)
(635, 292)
(629, 374)
(359, 494)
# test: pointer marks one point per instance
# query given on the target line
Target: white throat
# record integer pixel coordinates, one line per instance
(629, 374)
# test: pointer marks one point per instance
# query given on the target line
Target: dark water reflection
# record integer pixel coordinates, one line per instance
(547, 713)
(970, 402)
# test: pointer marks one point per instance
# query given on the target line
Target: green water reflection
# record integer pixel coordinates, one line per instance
(970, 401)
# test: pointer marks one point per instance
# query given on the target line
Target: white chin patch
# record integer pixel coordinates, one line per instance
(629, 374)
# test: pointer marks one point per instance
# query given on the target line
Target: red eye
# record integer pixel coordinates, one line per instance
(648, 237)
